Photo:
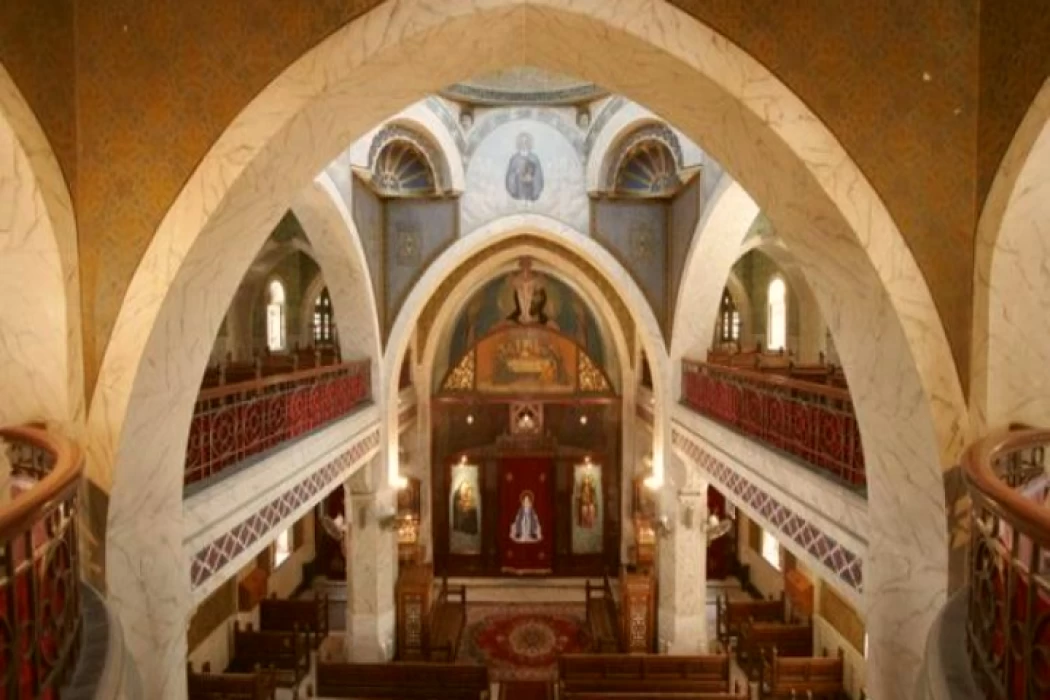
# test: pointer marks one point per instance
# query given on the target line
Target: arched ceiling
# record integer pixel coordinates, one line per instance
(523, 85)
(425, 325)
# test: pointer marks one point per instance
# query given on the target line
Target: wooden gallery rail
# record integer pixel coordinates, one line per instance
(40, 578)
(233, 422)
(1008, 617)
(812, 422)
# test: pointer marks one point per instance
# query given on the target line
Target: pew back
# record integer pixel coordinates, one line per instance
(814, 676)
(403, 680)
(259, 685)
(285, 652)
(310, 616)
(731, 614)
(642, 673)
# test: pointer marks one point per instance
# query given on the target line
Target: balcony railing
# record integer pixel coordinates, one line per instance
(234, 422)
(1008, 617)
(812, 422)
(39, 570)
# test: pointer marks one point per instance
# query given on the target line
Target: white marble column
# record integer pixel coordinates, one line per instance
(683, 571)
(371, 565)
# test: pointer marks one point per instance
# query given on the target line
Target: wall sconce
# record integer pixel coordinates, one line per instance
(715, 528)
(664, 526)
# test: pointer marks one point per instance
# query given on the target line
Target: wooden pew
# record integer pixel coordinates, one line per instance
(258, 685)
(602, 617)
(273, 365)
(774, 363)
(286, 653)
(448, 617)
(645, 674)
(814, 374)
(731, 614)
(309, 616)
(757, 638)
(402, 680)
(736, 694)
(814, 677)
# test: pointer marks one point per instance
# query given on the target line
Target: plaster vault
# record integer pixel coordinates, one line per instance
(890, 339)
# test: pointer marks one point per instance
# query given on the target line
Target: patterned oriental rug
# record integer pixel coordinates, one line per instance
(522, 642)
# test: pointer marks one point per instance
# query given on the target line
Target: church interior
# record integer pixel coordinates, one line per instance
(524, 350)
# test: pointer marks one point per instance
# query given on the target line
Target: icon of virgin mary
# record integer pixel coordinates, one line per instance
(526, 527)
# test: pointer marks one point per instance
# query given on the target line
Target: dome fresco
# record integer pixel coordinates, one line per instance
(523, 85)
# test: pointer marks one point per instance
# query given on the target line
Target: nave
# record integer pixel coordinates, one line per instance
(531, 638)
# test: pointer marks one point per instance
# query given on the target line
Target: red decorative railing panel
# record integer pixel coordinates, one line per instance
(39, 579)
(1008, 621)
(814, 423)
(236, 421)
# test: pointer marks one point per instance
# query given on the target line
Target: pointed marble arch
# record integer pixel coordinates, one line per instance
(811, 321)
(337, 249)
(497, 232)
(41, 362)
(860, 268)
(1011, 328)
(628, 118)
(491, 234)
(742, 299)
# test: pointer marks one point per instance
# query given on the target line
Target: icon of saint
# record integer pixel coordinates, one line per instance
(587, 510)
(526, 527)
(465, 510)
(524, 172)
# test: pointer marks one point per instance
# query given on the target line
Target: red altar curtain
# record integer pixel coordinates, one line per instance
(526, 516)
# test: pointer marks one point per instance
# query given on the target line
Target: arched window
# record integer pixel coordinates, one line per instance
(776, 303)
(275, 317)
(323, 317)
(728, 320)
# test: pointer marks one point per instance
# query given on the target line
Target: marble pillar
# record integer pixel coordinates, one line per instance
(371, 565)
(682, 571)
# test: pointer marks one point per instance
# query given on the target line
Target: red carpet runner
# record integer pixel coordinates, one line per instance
(521, 690)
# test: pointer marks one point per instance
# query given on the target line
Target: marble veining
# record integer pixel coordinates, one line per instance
(868, 285)
(1011, 283)
(840, 565)
(41, 368)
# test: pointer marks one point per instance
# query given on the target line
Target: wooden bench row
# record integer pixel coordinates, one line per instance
(205, 685)
(811, 678)
(585, 676)
(286, 654)
(781, 364)
(730, 615)
(309, 616)
(402, 680)
(270, 365)
(758, 638)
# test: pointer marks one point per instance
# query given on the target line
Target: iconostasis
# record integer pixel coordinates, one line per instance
(526, 434)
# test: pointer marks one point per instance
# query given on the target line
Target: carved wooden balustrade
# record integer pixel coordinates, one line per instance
(39, 570)
(813, 422)
(234, 422)
(1008, 624)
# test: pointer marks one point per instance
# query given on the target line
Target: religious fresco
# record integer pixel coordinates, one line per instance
(524, 171)
(527, 297)
(465, 510)
(587, 516)
(524, 165)
(526, 361)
